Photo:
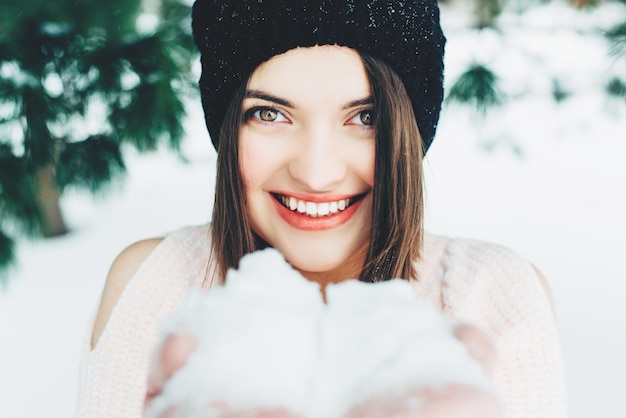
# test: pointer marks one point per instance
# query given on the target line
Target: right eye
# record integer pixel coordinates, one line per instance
(266, 114)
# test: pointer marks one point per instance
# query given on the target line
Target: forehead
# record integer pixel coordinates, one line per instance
(308, 73)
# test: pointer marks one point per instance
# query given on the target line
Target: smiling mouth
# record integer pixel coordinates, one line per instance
(313, 209)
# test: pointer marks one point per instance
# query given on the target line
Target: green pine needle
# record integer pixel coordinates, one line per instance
(616, 88)
(617, 37)
(7, 256)
(95, 55)
(91, 164)
(476, 87)
(17, 193)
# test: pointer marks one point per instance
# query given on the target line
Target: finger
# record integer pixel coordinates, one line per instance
(223, 410)
(458, 401)
(170, 357)
(479, 345)
(275, 413)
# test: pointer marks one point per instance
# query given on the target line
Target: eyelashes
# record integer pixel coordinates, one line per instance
(364, 117)
(268, 114)
(265, 114)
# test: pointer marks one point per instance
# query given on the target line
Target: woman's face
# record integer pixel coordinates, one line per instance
(306, 154)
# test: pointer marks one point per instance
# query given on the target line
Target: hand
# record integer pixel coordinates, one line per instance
(170, 357)
(451, 401)
(167, 359)
(222, 410)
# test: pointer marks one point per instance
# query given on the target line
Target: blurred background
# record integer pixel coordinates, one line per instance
(102, 143)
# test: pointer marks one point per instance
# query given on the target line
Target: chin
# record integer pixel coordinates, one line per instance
(337, 254)
(320, 260)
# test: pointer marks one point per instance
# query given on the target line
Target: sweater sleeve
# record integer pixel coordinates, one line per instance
(495, 289)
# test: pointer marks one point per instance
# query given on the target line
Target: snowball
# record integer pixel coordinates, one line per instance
(266, 339)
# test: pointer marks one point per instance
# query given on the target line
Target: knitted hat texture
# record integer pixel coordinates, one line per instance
(236, 36)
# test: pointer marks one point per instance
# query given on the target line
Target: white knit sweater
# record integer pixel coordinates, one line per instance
(483, 284)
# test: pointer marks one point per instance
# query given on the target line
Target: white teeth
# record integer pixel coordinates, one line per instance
(311, 209)
(314, 209)
(323, 209)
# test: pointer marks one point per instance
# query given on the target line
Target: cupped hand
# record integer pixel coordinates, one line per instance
(171, 356)
(450, 401)
(223, 410)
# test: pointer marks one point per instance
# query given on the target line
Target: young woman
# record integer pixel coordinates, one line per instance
(321, 113)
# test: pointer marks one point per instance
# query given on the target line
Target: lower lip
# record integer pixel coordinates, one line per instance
(308, 223)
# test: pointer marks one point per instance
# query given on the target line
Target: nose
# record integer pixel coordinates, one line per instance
(318, 161)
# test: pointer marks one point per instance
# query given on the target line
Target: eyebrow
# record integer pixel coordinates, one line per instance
(257, 94)
(360, 102)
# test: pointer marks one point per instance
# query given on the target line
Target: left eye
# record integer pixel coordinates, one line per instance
(269, 114)
(365, 117)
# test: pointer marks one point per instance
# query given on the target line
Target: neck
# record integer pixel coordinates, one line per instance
(351, 269)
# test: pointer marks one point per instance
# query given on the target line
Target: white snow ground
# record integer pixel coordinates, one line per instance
(561, 204)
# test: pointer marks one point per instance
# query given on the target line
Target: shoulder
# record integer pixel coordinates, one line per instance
(122, 270)
(477, 273)
(178, 257)
(470, 257)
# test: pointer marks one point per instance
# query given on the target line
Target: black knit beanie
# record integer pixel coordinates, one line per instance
(235, 36)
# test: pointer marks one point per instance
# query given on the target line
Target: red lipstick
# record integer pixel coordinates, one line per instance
(305, 222)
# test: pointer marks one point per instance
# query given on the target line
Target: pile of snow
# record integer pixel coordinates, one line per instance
(266, 339)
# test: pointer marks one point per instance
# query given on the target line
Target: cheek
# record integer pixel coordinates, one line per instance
(371, 170)
(366, 165)
(259, 162)
(245, 162)
(252, 162)
(250, 171)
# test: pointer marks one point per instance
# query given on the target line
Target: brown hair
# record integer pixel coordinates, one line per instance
(397, 212)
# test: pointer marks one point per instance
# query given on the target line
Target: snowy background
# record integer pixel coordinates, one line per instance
(545, 179)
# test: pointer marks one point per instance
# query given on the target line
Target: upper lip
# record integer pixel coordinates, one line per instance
(319, 198)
